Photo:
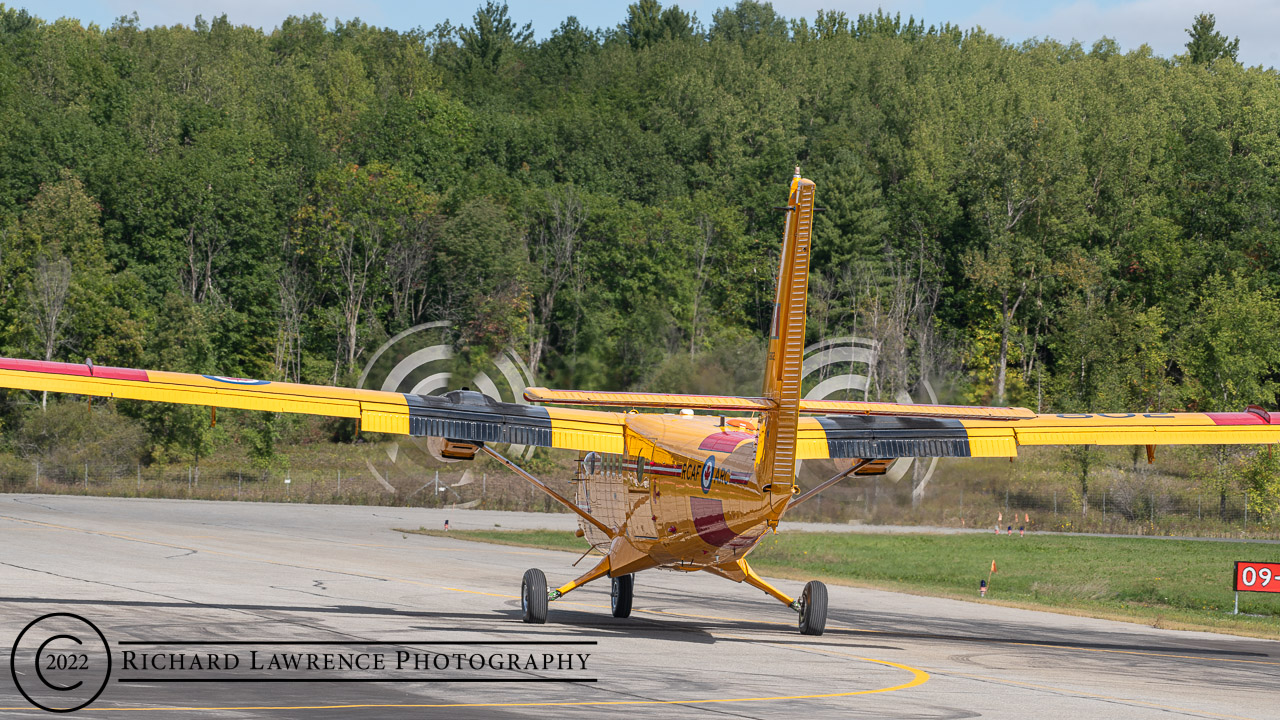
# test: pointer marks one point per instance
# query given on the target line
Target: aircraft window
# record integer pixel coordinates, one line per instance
(591, 463)
(640, 463)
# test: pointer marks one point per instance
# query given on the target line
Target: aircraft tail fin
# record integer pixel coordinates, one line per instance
(776, 454)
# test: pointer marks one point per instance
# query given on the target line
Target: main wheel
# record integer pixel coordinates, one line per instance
(533, 597)
(620, 597)
(813, 608)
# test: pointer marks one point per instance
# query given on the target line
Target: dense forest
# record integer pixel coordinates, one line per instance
(1069, 228)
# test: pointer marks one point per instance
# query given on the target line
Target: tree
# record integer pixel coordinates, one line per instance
(354, 217)
(553, 246)
(1227, 358)
(648, 23)
(1206, 44)
(492, 38)
(855, 225)
(746, 20)
(49, 286)
(73, 301)
(1260, 478)
(1110, 357)
(480, 279)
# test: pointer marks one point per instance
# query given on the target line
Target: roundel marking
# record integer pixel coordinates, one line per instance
(235, 380)
(708, 471)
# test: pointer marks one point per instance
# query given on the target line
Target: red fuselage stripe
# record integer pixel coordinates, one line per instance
(708, 520)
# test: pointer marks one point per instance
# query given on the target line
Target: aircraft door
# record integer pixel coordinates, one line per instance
(640, 514)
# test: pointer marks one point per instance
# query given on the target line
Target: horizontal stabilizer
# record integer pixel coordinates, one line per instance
(756, 404)
(648, 400)
(857, 407)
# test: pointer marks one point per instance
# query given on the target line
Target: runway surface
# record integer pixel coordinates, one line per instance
(205, 575)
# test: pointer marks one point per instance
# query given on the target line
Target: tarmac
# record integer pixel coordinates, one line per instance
(170, 583)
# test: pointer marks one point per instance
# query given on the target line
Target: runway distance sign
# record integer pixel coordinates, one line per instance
(1257, 577)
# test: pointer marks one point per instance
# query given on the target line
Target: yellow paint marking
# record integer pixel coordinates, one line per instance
(1081, 693)
(480, 592)
(918, 677)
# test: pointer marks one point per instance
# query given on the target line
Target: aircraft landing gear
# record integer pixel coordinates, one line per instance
(813, 608)
(533, 597)
(620, 596)
(811, 605)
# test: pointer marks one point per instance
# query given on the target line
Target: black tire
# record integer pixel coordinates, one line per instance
(533, 597)
(813, 608)
(620, 597)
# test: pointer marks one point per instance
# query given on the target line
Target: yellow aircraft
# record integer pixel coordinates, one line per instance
(689, 491)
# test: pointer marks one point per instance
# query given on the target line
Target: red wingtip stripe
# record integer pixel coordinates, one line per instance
(1240, 418)
(77, 369)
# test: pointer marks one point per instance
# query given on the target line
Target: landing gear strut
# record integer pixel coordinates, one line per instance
(533, 597)
(813, 608)
(620, 596)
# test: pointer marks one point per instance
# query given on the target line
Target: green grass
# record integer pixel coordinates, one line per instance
(1166, 583)
(545, 539)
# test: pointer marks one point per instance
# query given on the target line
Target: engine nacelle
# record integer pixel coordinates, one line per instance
(446, 450)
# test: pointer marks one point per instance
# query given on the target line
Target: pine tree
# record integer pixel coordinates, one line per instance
(1207, 45)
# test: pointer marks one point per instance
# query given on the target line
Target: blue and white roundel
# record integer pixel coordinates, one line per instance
(708, 470)
(236, 381)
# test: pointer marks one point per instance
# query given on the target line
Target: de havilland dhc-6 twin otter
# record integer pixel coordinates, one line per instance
(694, 490)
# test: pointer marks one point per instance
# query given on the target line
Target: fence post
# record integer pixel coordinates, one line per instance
(37, 474)
(1104, 507)
(139, 477)
(1246, 512)
(86, 477)
(1055, 502)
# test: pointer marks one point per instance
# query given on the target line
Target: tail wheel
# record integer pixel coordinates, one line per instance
(620, 597)
(813, 608)
(533, 597)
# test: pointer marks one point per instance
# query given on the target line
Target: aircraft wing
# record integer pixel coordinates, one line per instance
(855, 436)
(467, 416)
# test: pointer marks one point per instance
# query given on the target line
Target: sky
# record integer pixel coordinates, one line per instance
(1160, 24)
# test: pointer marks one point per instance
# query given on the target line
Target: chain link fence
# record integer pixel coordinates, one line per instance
(1116, 508)
(1147, 508)
(387, 485)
